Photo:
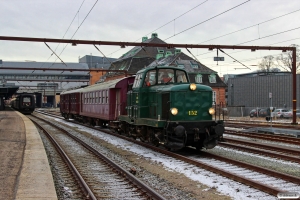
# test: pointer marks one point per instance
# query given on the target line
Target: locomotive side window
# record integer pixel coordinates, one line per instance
(137, 80)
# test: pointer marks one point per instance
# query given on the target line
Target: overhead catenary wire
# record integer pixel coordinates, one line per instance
(173, 20)
(208, 19)
(251, 26)
(79, 26)
(254, 58)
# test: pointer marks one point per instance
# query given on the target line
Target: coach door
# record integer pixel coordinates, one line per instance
(118, 104)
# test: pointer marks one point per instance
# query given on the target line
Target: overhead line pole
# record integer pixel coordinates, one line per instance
(168, 45)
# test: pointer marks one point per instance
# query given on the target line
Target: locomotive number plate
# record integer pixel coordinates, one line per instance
(192, 112)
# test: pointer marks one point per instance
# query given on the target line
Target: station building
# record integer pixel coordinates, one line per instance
(260, 90)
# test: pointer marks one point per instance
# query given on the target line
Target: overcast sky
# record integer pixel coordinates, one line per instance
(175, 21)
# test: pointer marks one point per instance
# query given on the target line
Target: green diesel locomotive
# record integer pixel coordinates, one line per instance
(164, 108)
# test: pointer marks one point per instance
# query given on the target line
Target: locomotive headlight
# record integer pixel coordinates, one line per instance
(174, 111)
(193, 86)
(211, 111)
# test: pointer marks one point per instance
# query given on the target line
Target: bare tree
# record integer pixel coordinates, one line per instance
(266, 64)
(285, 59)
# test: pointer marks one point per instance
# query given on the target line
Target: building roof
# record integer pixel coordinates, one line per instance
(43, 65)
(141, 57)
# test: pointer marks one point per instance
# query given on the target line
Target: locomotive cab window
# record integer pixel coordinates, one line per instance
(166, 76)
(26, 99)
(137, 80)
(181, 77)
(150, 78)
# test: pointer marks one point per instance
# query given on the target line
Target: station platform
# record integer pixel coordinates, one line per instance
(24, 169)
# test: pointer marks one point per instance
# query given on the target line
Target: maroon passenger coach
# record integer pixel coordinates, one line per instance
(96, 104)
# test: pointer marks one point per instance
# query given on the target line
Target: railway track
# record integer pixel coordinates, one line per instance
(285, 179)
(98, 176)
(266, 136)
(247, 124)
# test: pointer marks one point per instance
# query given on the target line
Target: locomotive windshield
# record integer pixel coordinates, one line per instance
(26, 99)
(160, 76)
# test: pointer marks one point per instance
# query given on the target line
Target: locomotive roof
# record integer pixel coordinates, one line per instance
(158, 67)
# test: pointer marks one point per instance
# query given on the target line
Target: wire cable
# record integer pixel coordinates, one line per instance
(173, 20)
(208, 19)
(250, 26)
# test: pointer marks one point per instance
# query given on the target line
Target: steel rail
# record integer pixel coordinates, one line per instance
(255, 168)
(277, 124)
(259, 151)
(277, 138)
(88, 192)
(266, 146)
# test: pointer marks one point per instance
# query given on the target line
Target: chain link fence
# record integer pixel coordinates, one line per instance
(258, 113)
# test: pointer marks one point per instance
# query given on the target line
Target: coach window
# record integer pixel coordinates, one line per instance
(103, 96)
(96, 98)
(106, 96)
(100, 97)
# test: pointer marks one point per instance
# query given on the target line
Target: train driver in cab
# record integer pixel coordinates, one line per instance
(147, 82)
(165, 78)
